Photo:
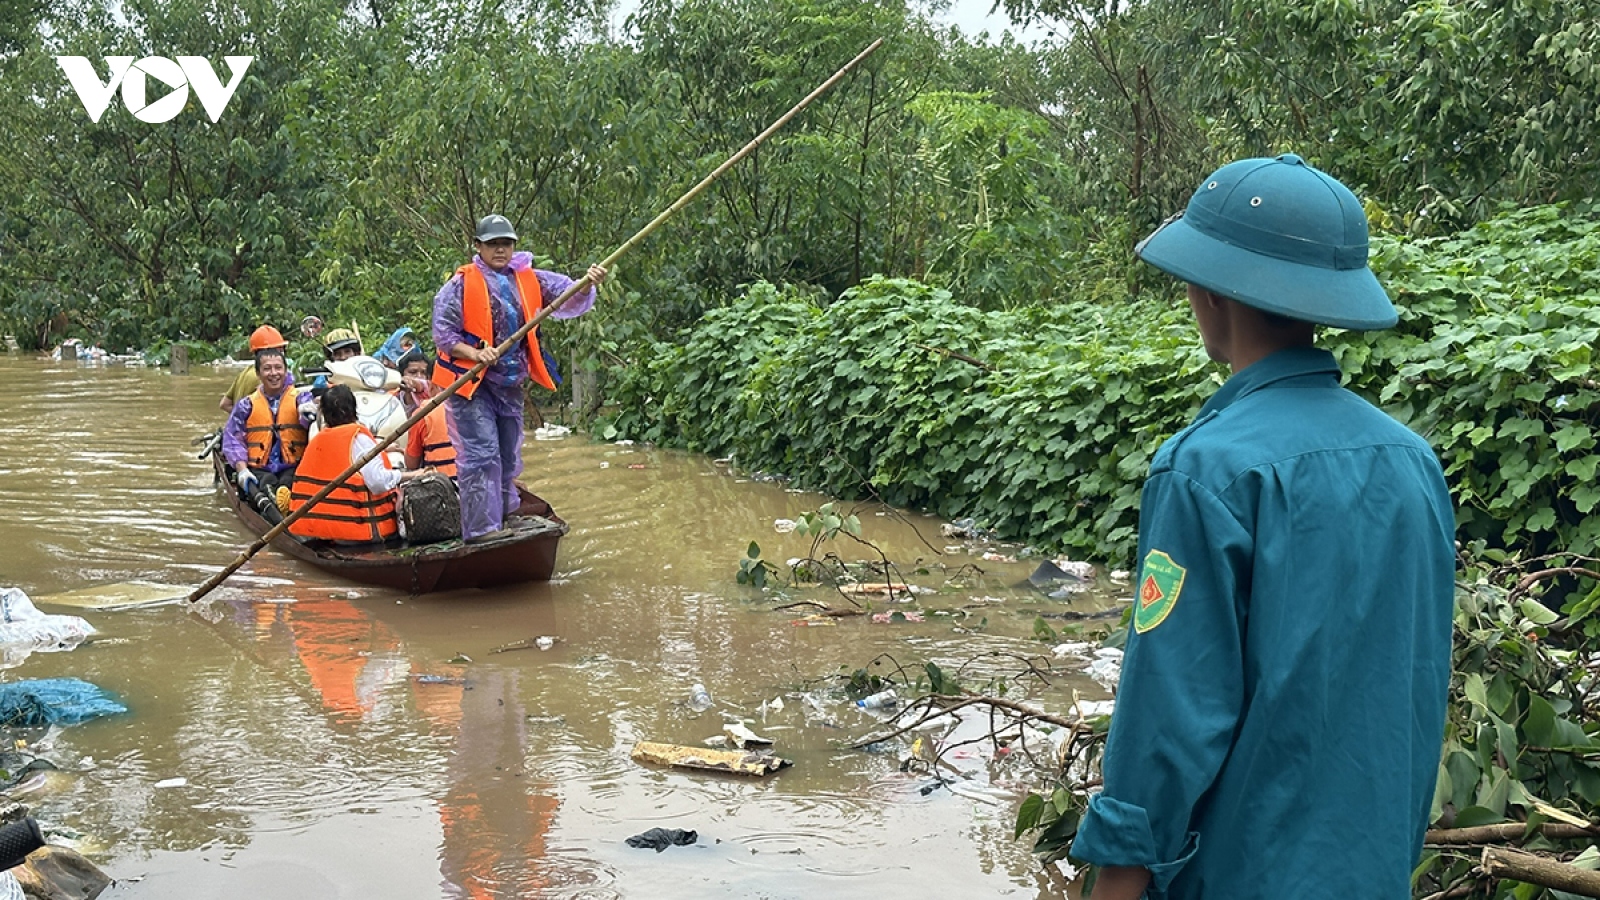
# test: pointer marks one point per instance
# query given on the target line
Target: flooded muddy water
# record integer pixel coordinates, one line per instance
(309, 737)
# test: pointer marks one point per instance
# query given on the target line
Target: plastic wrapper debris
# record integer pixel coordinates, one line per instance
(24, 629)
(52, 701)
(738, 762)
(1075, 568)
(784, 526)
(1106, 667)
(1089, 709)
(1073, 648)
(966, 529)
(743, 738)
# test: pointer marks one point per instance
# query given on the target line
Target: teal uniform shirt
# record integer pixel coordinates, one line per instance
(1281, 709)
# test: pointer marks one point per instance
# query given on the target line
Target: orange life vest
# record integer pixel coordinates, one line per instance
(437, 451)
(350, 512)
(262, 428)
(477, 320)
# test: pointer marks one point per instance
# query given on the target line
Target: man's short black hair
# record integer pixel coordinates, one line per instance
(338, 406)
(270, 351)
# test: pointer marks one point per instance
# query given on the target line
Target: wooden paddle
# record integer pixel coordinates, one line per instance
(505, 347)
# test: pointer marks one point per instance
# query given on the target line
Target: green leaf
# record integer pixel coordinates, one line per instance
(1464, 776)
(1573, 436)
(1475, 690)
(1583, 468)
(1506, 741)
(1501, 695)
(1540, 723)
(1442, 792)
(1586, 497)
(1536, 612)
(753, 551)
(1473, 816)
(1028, 815)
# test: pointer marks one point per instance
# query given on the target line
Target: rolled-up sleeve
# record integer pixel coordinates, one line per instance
(233, 450)
(1181, 694)
(555, 284)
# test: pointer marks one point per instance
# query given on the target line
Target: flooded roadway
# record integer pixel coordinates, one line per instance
(336, 740)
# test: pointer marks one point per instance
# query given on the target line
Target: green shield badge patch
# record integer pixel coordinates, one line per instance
(1160, 581)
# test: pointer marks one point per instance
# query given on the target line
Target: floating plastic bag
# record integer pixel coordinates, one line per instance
(54, 701)
(24, 629)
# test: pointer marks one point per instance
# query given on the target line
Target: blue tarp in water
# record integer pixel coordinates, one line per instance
(54, 701)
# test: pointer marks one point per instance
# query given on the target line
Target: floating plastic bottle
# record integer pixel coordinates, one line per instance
(881, 700)
(699, 698)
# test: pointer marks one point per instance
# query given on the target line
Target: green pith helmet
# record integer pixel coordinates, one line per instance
(1280, 236)
(338, 339)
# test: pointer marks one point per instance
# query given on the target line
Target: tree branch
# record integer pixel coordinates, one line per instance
(1530, 868)
(1507, 832)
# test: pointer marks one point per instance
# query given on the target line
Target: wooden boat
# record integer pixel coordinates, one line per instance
(525, 551)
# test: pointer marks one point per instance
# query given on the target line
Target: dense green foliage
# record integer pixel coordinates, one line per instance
(1041, 422)
(1494, 362)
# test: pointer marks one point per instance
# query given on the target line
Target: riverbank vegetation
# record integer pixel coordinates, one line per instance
(921, 290)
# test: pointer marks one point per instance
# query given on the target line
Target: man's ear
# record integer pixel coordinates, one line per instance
(1212, 300)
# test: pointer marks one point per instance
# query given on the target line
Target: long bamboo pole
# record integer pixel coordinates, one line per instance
(511, 341)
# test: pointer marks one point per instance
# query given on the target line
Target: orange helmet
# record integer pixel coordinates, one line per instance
(266, 337)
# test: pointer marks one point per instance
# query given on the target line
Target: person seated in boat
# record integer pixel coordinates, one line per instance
(266, 432)
(337, 345)
(428, 443)
(263, 338)
(403, 341)
(341, 344)
(416, 387)
(360, 510)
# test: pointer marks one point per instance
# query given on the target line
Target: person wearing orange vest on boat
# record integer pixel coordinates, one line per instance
(428, 442)
(482, 304)
(266, 432)
(362, 508)
(245, 383)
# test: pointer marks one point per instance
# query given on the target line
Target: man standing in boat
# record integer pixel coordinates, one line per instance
(482, 304)
(266, 432)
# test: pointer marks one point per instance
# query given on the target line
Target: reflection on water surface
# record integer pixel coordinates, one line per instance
(336, 740)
